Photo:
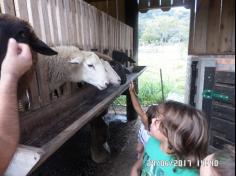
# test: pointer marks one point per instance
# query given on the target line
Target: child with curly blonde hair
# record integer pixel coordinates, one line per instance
(179, 140)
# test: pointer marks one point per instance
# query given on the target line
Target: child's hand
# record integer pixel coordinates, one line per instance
(132, 88)
(18, 60)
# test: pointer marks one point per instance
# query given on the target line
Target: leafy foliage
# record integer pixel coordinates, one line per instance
(158, 28)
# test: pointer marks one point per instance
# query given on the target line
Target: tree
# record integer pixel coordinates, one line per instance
(164, 28)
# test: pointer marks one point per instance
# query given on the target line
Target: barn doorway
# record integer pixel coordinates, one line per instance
(163, 47)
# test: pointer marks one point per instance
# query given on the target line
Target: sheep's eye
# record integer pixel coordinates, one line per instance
(91, 66)
(22, 34)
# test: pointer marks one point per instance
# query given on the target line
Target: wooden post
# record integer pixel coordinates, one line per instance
(99, 136)
(131, 10)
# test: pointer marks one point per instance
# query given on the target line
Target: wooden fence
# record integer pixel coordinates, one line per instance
(68, 22)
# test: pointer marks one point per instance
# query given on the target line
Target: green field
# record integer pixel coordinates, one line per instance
(172, 61)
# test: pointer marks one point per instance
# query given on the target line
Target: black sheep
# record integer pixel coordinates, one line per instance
(117, 66)
(121, 57)
(13, 27)
(120, 70)
(22, 32)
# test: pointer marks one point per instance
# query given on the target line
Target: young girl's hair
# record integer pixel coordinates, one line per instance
(186, 130)
(226, 160)
(151, 114)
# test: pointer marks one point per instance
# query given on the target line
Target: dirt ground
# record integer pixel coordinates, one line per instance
(73, 158)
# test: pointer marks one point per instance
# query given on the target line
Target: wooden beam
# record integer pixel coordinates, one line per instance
(131, 10)
(24, 159)
(165, 5)
(154, 3)
(143, 5)
(192, 28)
(97, 0)
(177, 2)
(227, 27)
(213, 32)
(201, 25)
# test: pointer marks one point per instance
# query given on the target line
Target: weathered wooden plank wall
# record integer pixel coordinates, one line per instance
(213, 26)
(67, 22)
(201, 22)
(213, 29)
(115, 8)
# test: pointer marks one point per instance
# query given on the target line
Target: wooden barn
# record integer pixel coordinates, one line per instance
(112, 25)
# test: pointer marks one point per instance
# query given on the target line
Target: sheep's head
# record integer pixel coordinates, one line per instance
(113, 77)
(13, 27)
(90, 70)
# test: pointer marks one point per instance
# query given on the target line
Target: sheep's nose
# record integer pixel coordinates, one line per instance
(107, 83)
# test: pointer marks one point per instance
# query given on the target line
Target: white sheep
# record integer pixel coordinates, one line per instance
(116, 66)
(112, 76)
(74, 65)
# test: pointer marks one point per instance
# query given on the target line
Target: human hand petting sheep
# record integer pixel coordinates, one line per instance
(18, 60)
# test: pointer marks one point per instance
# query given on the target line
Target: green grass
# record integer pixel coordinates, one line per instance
(172, 61)
(151, 92)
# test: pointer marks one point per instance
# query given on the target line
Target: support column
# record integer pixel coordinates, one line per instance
(131, 19)
(99, 136)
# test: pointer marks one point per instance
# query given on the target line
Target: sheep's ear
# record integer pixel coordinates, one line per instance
(88, 54)
(76, 61)
(42, 48)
